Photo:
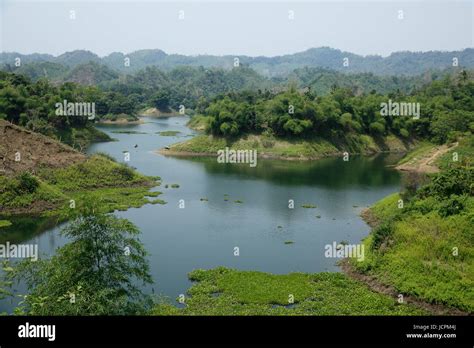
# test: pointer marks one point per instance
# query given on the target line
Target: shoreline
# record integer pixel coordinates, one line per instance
(174, 153)
(374, 284)
(122, 122)
(425, 163)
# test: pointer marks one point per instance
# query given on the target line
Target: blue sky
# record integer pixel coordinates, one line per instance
(230, 27)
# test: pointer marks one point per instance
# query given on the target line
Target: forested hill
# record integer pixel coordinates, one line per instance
(398, 63)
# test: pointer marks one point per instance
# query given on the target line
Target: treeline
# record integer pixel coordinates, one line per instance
(33, 104)
(398, 63)
(185, 85)
(241, 101)
(446, 110)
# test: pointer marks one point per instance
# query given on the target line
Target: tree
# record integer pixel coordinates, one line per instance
(161, 100)
(95, 274)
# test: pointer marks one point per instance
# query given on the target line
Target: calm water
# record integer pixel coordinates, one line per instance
(204, 234)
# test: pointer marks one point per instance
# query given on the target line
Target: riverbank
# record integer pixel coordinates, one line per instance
(288, 149)
(422, 248)
(44, 177)
(154, 112)
(423, 158)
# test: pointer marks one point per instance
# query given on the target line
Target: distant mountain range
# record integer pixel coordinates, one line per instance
(399, 63)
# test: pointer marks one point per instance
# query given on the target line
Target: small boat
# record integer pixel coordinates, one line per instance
(167, 147)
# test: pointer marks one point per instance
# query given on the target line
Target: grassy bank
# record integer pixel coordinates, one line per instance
(272, 147)
(223, 291)
(426, 248)
(81, 137)
(99, 179)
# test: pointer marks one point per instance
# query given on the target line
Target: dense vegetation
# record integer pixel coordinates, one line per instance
(399, 63)
(425, 248)
(99, 272)
(111, 185)
(446, 111)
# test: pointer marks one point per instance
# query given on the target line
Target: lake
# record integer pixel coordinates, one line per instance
(205, 234)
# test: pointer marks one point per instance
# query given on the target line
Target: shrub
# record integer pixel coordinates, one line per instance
(27, 183)
(381, 234)
(124, 172)
(454, 205)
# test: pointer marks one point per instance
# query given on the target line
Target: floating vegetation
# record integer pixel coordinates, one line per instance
(289, 242)
(168, 133)
(238, 201)
(174, 186)
(166, 186)
(318, 216)
(158, 201)
(204, 199)
(355, 206)
(279, 226)
(127, 132)
(308, 206)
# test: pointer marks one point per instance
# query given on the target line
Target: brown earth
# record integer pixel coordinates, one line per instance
(425, 163)
(35, 151)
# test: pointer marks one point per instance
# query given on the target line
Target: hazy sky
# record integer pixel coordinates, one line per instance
(235, 27)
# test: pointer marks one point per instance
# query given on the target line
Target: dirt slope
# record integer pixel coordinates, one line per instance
(425, 163)
(35, 150)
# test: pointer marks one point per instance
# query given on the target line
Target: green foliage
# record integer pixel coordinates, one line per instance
(223, 291)
(100, 179)
(27, 183)
(453, 181)
(447, 113)
(97, 273)
(381, 234)
(5, 223)
(452, 206)
(426, 249)
(96, 172)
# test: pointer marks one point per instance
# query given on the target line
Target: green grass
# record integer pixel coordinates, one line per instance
(5, 223)
(81, 137)
(414, 249)
(287, 148)
(223, 291)
(168, 133)
(386, 208)
(465, 154)
(420, 150)
(97, 172)
(416, 255)
(198, 122)
(108, 184)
